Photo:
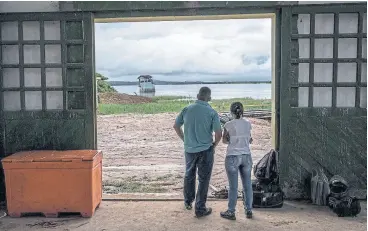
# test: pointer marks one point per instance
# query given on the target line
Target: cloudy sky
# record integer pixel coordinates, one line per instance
(185, 50)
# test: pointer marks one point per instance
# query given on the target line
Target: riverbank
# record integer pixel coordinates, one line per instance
(111, 105)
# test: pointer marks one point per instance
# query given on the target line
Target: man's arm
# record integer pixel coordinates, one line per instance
(216, 125)
(218, 136)
(178, 123)
(179, 131)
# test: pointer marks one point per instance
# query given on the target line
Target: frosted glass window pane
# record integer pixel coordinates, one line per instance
(348, 23)
(324, 24)
(33, 100)
(363, 97)
(347, 48)
(10, 77)
(345, 97)
(32, 77)
(322, 96)
(364, 48)
(12, 101)
(323, 48)
(346, 72)
(364, 73)
(54, 100)
(9, 31)
(10, 54)
(32, 54)
(303, 72)
(304, 48)
(54, 77)
(53, 53)
(52, 30)
(303, 24)
(365, 23)
(303, 96)
(31, 30)
(323, 72)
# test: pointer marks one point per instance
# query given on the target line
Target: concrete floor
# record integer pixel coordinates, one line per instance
(170, 215)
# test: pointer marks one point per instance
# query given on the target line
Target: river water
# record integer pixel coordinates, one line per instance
(219, 91)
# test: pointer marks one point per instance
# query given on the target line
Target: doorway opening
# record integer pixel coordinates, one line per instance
(177, 55)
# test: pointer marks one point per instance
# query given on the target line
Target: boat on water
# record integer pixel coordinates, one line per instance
(145, 84)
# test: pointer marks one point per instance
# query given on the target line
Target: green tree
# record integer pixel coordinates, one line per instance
(102, 85)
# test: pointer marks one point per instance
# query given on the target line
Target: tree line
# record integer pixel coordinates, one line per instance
(102, 84)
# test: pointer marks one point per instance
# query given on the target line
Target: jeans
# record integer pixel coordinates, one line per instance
(242, 164)
(204, 162)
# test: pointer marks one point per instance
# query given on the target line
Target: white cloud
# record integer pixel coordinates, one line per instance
(224, 47)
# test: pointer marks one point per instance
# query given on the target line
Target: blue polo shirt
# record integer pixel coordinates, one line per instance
(200, 120)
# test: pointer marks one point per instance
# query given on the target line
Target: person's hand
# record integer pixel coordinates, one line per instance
(228, 137)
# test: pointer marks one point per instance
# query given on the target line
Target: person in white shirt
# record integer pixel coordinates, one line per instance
(237, 134)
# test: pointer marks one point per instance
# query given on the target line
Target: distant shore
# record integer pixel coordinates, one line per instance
(159, 82)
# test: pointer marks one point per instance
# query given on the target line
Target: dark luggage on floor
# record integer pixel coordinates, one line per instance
(266, 170)
(346, 206)
(339, 201)
(267, 195)
(267, 192)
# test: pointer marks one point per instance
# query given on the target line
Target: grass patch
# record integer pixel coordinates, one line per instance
(162, 104)
(168, 98)
(131, 187)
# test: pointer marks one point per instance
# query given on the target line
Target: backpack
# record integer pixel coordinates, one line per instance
(267, 192)
(346, 206)
(266, 170)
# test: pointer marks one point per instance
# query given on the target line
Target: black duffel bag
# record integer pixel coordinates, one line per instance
(267, 192)
(267, 195)
(266, 170)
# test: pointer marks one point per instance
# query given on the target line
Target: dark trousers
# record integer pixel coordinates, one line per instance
(204, 162)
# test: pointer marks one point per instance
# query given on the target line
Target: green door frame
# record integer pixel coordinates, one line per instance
(284, 78)
(216, 14)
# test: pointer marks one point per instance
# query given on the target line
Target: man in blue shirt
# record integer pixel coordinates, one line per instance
(200, 120)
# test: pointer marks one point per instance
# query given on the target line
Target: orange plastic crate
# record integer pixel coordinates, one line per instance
(53, 182)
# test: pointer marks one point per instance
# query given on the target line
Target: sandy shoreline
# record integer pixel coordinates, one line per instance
(143, 154)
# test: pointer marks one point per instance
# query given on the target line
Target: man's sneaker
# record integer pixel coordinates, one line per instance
(249, 214)
(207, 212)
(188, 206)
(228, 215)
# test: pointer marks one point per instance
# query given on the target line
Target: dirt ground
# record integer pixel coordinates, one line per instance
(120, 98)
(142, 153)
(170, 215)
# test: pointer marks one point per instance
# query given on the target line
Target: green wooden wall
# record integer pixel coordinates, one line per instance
(332, 136)
(58, 114)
